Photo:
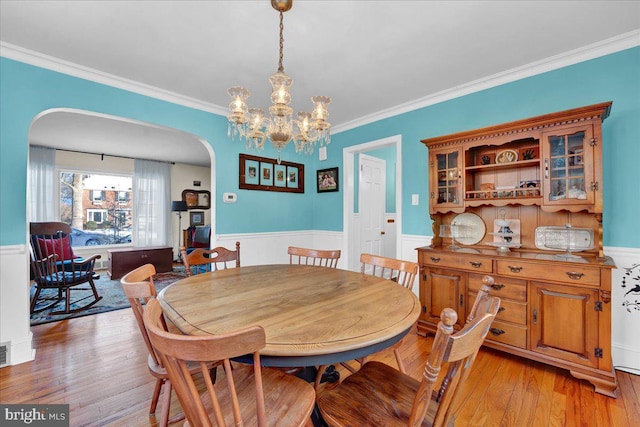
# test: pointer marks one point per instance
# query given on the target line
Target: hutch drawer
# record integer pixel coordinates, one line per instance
(503, 287)
(508, 333)
(509, 311)
(444, 260)
(571, 274)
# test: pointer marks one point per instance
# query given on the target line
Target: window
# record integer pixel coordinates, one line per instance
(123, 196)
(97, 206)
(97, 215)
(97, 196)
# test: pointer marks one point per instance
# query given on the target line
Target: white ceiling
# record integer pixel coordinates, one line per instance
(368, 56)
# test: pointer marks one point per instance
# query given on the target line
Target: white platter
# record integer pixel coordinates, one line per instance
(563, 238)
(473, 226)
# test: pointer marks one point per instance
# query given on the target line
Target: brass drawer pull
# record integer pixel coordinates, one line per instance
(575, 275)
(515, 269)
(435, 259)
(496, 331)
(497, 287)
(501, 309)
(475, 264)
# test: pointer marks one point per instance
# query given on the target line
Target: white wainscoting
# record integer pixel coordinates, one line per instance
(15, 330)
(266, 248)
(271, 248)
(625, 309)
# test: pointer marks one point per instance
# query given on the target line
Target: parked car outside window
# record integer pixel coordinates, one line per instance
(88, 238)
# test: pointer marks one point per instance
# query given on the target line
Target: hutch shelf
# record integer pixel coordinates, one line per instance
(542, 173)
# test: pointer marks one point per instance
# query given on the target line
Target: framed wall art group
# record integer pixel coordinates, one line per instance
(261, 173)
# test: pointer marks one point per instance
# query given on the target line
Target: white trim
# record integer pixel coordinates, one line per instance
(585, 53)
(38, 59)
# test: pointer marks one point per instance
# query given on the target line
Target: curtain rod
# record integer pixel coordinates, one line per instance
(102, 155)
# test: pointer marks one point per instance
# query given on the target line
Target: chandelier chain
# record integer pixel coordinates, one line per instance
(280, 66)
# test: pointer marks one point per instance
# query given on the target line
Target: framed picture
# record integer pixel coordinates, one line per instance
(266, 174)
(196, 218)
(280, 176)
(292, 176)
(327, 180)
(197, 199)
(261, 173)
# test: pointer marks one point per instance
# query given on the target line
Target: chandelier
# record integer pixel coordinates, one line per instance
(279, 127)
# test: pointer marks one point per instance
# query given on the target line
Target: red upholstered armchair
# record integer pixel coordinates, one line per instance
(55, 266)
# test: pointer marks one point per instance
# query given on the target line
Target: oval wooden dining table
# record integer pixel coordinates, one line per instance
(311, 315)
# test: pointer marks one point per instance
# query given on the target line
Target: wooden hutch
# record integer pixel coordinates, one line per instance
(542, 175)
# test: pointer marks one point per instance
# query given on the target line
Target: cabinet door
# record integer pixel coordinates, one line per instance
(442, 289)
(445, 180)
(564, 322)
(568, 166)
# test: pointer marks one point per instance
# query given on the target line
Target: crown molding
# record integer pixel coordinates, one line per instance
(38, 59)
(595, 50)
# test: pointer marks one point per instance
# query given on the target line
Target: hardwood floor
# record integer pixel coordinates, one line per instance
(97, 364)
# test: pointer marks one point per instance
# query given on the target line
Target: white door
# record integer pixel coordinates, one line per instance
(371, 203)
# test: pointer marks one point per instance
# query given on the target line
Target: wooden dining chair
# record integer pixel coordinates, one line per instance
(380, 395)
(249, 395)
(322, 258)
(139, 288)
(402, 272)
(204, 260)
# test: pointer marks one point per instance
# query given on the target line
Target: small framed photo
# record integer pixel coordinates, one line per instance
(196, 218)
(280, 176)
(327, 180)
(292, 177)
(266, 174)
(251, 172)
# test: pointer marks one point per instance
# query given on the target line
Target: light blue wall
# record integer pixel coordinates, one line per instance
(614, 77)
(26, 90)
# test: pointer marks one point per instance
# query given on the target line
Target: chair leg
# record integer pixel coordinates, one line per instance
(156, 395)
(396, 351)
(166, 404)
(316, 383)
(93, 288)
(67, 300)
(35, 298)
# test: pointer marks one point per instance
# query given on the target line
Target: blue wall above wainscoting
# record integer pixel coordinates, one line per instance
(615, 77)
(27, 90)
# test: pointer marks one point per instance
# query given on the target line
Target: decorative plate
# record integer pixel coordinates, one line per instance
(506, 156)
(473, 228)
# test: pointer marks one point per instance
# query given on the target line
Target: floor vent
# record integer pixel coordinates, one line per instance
(4, 354)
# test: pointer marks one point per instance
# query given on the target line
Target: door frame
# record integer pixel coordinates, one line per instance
(348, 155)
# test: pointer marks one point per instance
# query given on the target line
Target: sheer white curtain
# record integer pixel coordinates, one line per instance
(152, 203)
(42, 189)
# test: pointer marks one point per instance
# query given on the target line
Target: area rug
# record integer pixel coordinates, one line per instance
(113, 297)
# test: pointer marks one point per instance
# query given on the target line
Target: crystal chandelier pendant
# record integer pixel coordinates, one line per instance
(238, 111)
(279, 127)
